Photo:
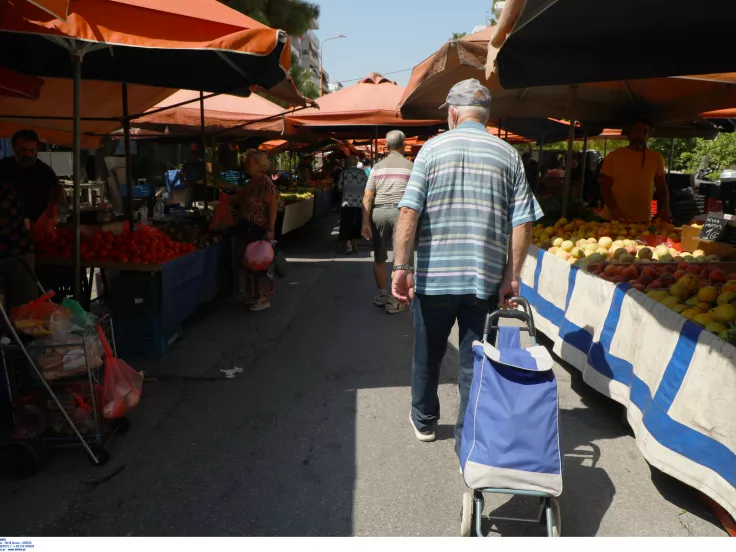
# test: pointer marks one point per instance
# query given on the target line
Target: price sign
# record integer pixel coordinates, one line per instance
(714, 228)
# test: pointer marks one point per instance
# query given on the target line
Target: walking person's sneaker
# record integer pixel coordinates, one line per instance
(394, 307)
(260, 305)
(424, 435)
(380, 300)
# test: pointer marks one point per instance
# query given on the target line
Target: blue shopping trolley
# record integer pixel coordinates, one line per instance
(510, 440)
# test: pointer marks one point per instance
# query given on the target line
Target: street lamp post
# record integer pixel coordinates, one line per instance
(321, 77)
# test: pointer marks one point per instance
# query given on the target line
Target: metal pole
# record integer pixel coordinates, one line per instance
(672, 156)
(566, 187)
(204, 147)
(540, 168)
(321, 79)
(128, 161)
(77, 160)
(605, 146)
(375, 151)
(585, 162)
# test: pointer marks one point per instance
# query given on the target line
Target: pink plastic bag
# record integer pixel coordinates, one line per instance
(223, 215)
(121, 387)
(259, 255)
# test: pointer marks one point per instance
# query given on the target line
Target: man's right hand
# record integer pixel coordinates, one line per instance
(509, 288)
(366, 232)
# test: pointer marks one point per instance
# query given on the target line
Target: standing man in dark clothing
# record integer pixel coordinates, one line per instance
(34, 181)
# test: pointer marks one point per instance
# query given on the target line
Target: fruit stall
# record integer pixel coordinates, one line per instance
(151, 279)
(653, 327)
(296, 206)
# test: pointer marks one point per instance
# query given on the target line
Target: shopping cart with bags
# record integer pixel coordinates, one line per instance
(510, 440)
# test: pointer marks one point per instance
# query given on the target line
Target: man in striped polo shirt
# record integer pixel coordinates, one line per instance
(386, 185)
(476, 209)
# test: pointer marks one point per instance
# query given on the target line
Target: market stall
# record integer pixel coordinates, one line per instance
(648, 326)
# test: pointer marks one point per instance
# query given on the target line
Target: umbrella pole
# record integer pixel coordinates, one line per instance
(204, 147)
(585, 162)
(128, 161)
(568, 167)
(672, 156)
(605, 146)
(540, 169)
(77, 167)
(375, 149)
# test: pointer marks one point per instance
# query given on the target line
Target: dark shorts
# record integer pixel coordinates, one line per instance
(351, 223)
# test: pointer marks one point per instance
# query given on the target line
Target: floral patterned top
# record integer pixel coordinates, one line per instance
(250, 200)
(15, 239)
(352, 183)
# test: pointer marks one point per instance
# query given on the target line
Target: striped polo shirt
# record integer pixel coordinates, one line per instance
(389, 178)
(471, 190)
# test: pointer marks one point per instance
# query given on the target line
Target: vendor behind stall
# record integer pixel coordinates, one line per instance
(629, 177)
(192, 171)
(305, 170)
(34, 181)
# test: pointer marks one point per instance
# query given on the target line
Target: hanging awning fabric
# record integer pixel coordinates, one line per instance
(224, 114)
(99, 100)
(675, 101)
(167, 43)
(360, 109)
(629, 39)
(19, 85)
(57, 8)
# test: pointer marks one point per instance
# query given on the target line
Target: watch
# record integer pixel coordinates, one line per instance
(402, 267)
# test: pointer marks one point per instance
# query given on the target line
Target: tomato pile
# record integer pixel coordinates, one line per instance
(140, 247)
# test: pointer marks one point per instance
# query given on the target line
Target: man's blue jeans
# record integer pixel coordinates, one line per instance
(434, 318)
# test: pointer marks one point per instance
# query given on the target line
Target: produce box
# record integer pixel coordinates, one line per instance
(135, 294)
(136, 337)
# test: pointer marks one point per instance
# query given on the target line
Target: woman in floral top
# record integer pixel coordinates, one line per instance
(352, 184)
(257, 203)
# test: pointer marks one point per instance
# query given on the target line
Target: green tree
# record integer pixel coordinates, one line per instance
(293, 16)
(458, 36)
(303, 79)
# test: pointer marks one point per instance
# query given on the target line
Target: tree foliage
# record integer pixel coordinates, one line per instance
(458, 36)
(303, 79)
(293, 16)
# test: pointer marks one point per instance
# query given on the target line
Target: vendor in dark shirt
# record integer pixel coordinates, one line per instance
(17, 282)
(35, 182)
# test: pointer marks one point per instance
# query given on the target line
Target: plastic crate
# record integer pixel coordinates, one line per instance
(142, 337)
(135, 294)
(139, 190)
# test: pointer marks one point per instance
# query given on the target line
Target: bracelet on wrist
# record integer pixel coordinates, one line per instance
(406, 267)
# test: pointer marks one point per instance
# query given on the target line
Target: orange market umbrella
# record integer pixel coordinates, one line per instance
(167, 43)
(365, 109)
(100, 112)
(675, 101)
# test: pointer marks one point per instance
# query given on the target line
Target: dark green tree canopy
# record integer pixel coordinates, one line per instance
(293, 16)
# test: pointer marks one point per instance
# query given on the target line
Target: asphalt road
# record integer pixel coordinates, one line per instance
(312, 438)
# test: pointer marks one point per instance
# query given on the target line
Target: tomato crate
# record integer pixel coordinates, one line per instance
(143, 337)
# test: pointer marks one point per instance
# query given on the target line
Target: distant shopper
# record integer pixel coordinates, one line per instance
(629, 177)
(385, 189)
(256, 206)
(352, 185)
(367, 167)
(35, 182)
(476, 208)
(192, 171)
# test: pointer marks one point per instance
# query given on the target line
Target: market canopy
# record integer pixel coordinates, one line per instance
(675, 101)
(100, 110)
(166, 43)
(362, 110)
(553, 42)
(223, 114)
(19, 85)
(57, 8)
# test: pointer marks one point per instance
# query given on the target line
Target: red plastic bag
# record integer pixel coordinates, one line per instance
(223, 215)
(44, 229)
(38, 317)
(259, 255)
(121, 386)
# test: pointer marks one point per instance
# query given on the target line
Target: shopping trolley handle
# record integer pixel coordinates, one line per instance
(524, 315)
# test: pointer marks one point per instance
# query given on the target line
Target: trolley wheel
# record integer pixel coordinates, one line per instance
(554, 518)
(122, 425)
(467, 517)
(101, 454)
(21, 459)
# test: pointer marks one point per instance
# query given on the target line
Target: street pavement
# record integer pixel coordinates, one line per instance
(313, 438)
